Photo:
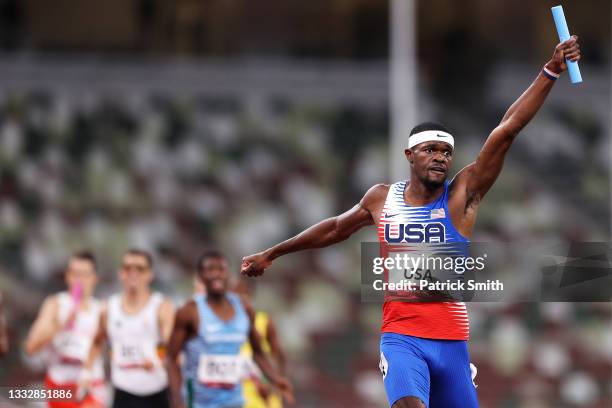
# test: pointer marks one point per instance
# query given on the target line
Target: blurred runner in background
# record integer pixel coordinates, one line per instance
(210, 330)
(66, 326)
(137, 323)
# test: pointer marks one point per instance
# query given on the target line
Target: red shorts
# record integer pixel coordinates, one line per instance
(89, 401)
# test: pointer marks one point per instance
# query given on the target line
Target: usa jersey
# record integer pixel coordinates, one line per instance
(402, 224)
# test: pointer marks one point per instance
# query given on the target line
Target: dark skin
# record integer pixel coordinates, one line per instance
(214, 274)
(429, 166)
(276, 350)
(277, 354)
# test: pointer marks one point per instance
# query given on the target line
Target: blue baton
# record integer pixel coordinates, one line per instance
(564, 35)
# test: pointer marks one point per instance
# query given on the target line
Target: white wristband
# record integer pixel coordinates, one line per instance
(552, 74)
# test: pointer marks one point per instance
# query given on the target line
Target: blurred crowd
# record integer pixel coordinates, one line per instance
(175, 175)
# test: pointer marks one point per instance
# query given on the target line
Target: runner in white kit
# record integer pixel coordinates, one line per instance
(137, 323)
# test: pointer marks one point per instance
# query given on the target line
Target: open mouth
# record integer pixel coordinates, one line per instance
(439, 170)
(217, 284)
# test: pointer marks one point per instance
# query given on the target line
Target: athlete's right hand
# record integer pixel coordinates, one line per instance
(255, 265)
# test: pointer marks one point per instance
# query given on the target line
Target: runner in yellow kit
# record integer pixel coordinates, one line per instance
(257, 393)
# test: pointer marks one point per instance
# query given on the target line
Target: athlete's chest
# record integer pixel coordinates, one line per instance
(222, 325)
(224, 312)
(419, 225)
(401, 223)
(132, 326)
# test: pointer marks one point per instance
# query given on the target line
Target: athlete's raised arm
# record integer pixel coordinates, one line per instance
(182, 331)
(478, 177)
(322, 234)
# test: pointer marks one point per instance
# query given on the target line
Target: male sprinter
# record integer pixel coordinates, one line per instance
(424, 356)
(210, 329)
(67, 324)
(137, 323)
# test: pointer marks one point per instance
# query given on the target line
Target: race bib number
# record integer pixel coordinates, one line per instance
(73, 348)
(133, 354)
(218, 370)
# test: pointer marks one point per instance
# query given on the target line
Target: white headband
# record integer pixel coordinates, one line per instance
(430, 136)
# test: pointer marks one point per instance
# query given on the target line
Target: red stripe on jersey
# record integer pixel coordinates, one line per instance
(442, 321)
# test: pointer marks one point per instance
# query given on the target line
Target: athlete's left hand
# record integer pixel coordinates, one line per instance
(286, 390)
(569, 49)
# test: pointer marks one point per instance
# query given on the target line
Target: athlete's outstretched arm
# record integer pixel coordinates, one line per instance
(262, 361)
(322, 234)
(480, 175)
(183, 329)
